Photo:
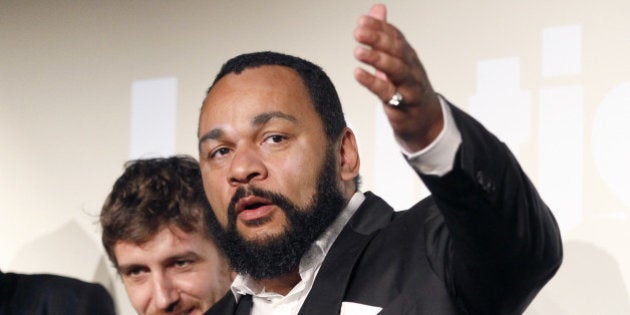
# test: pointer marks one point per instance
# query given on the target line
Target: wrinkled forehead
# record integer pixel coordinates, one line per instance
(254, 91)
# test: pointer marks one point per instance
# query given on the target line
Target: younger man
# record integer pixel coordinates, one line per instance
(155, 234)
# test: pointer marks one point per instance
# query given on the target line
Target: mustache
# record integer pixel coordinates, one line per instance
(276, 198)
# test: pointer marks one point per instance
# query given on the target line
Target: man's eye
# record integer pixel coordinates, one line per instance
(134, 272)
(219, 152)
(182, 263)
(275, 138)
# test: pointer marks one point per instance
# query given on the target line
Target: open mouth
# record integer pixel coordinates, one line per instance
(251, 203)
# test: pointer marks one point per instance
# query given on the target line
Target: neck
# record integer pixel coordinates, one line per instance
(282, 284)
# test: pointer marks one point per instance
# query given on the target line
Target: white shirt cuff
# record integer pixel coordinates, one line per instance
(438, 157)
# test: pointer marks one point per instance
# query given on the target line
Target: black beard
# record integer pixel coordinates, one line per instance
(279, 255)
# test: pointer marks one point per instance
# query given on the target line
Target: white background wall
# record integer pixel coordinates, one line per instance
(78, 80)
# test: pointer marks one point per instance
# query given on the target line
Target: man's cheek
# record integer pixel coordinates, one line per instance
(221, 216)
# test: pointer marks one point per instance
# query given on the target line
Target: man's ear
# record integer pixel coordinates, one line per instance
(348, 156)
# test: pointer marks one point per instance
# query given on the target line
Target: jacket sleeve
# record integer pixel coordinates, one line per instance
(503, 243)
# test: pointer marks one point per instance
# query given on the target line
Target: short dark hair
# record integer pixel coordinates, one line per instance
(320, 88)
(151, 194)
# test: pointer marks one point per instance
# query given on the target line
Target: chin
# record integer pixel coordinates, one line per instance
(262, 237)
(261, 231)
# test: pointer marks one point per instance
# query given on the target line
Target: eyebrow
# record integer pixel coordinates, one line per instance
(189, 254)
(263, 118)
(257, 121)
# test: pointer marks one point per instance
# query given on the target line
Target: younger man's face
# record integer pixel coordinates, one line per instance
(174, 272)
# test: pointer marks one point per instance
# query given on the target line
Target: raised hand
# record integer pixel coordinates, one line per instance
(417, 119)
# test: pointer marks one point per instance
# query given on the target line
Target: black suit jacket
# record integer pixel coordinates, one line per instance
(483, 243)
(52, 295)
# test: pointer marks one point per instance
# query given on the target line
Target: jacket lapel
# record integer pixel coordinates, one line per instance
(332, 280)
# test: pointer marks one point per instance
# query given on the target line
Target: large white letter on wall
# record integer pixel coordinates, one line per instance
(500, 104)
(611, 130)
(561, 151)
(153, 118)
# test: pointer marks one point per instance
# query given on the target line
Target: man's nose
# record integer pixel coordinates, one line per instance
(165, 294)
(247, 165)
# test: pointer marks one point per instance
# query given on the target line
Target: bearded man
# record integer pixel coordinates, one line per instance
(280, 170)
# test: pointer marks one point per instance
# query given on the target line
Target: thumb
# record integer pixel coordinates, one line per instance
(379, 12)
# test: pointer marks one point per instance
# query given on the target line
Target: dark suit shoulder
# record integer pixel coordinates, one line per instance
(52, 294)
(226, 305)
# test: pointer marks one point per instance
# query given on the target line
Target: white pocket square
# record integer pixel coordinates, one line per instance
(351, 308)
